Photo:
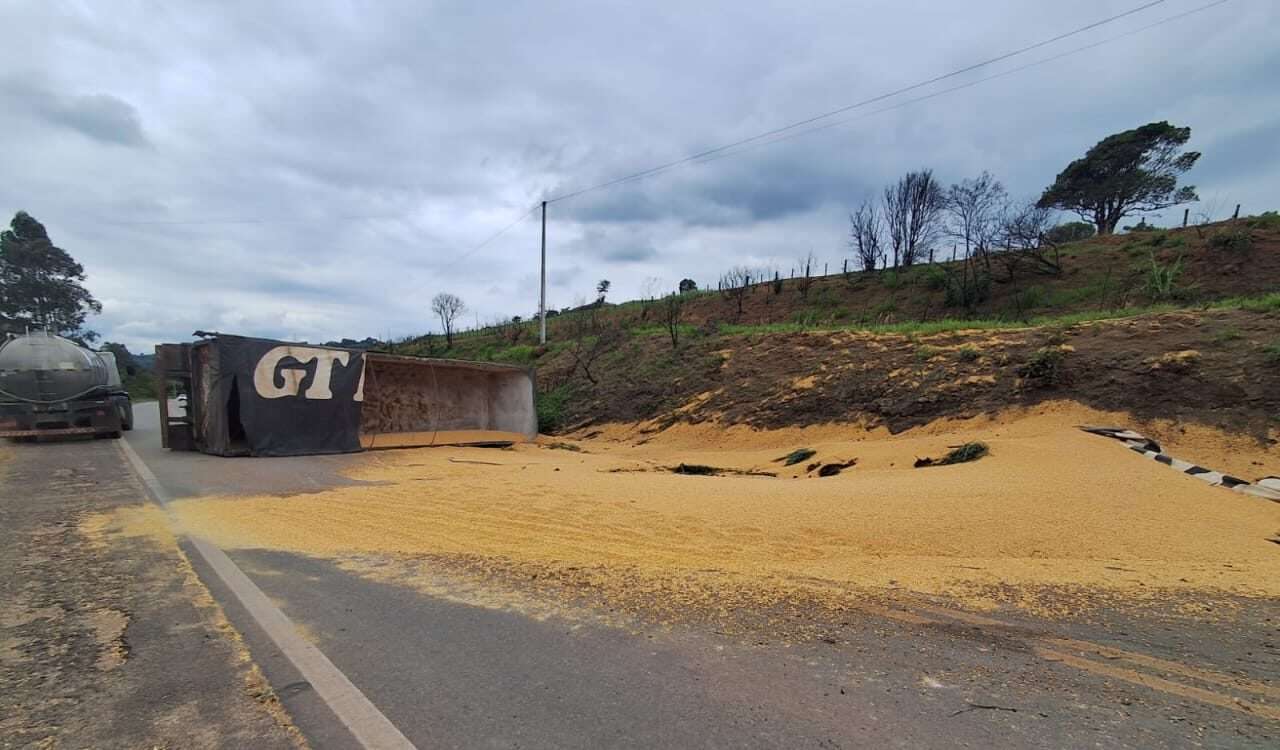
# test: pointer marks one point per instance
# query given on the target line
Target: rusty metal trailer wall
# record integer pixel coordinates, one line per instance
(411, 401)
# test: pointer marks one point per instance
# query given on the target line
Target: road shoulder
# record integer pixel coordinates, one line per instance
(107, 636)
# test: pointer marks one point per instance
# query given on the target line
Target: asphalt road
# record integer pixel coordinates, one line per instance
(453, 675)
(105, 640)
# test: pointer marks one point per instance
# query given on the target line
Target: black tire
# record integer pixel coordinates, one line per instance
(126, 418)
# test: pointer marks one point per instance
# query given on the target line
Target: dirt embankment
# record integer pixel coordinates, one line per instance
(1209, 368)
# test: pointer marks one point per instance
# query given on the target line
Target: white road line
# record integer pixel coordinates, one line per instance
(357, 713)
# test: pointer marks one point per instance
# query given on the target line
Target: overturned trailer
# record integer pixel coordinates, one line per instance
(259, 397)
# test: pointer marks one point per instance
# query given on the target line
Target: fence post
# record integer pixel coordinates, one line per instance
(1186, 212)
(1236, 215)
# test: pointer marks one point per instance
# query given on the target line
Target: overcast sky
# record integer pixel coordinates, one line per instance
(317, 170)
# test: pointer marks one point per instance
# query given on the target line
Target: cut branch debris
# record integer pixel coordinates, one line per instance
(958, 455)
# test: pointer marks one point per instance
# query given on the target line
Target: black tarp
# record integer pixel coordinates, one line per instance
(271, 398)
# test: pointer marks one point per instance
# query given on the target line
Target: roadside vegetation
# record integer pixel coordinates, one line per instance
(639, 361)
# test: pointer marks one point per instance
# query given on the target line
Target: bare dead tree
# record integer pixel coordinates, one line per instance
(927, 202)
(672, 311)
(976, 208)
(866, 232)
(648, 295)
(448, 307)
(896, 219)
(1024, 235)
(913, 212)
(588, 343)
(805, 265)
(734, 284)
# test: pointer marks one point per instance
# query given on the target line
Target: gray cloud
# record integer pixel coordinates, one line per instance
(628, 253)
(101, 117)
(365, 154)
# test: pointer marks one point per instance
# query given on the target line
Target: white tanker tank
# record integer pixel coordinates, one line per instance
(50, 385)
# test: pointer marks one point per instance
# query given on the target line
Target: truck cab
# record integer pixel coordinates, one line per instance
(116, 393)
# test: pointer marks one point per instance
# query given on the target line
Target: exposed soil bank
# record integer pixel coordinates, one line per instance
(1210, 368)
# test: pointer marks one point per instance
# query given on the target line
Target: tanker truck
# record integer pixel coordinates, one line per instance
(52, 386)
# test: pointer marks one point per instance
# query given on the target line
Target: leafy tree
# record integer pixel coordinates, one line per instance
(1071, 231)
(40, 283)
(688, 285)
(602, 289)
(136, 379)
(1126, 173)
(447, 307)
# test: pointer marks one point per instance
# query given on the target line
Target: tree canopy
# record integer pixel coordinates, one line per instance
(40, 283)
(1125, 173)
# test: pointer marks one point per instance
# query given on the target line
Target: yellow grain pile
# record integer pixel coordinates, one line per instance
(1050, 506)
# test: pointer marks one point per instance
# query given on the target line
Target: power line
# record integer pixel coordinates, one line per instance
(969, 84)
(840, 110)
(262, 220)
(477, 248)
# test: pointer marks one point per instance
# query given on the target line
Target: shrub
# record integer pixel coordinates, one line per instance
(1266, 220)
(891, 279)
(1045, 366)
(824, 298)
(1162, 279)
(1031, 298)
(933, 277)
(968, 291)
(968, 353)
(550, 407)
(1072, 231)
(1237, 240)
(888, 307)
(1272, 353)
(520, 355)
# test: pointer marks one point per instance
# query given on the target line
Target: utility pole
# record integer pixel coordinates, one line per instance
(542, 300)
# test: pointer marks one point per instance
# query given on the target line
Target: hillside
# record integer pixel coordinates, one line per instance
(1179, 324)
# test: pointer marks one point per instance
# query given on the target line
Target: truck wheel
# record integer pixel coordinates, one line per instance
(126, 418)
